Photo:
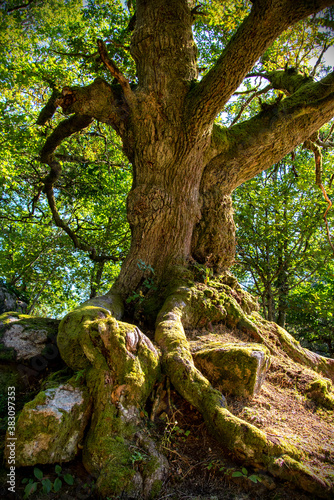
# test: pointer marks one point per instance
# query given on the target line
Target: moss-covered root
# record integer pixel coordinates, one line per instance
(291, 470)
(121, 366)
(295, 351)
(247, 442)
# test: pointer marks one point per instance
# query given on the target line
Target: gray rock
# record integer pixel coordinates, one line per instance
(51, 427)
(22, 337)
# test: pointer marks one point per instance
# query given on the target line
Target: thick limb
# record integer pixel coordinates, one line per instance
(246, 149)
(263, 25)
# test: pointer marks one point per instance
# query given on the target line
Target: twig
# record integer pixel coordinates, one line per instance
(248, 101)
(319, 59)
(318, 179)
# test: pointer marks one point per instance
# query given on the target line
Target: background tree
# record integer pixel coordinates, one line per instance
(282, 247)
(184, 168)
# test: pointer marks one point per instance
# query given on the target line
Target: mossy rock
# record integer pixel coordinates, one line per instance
(233, 368)
(320, 390)
(50, 427)
(22, 337)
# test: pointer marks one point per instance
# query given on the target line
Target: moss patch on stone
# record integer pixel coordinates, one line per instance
(321, 391)
(50, 427)
(233, 369)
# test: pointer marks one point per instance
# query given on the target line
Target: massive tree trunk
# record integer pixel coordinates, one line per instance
(185, 168)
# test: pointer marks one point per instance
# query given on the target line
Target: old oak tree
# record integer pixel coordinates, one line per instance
(185, 167)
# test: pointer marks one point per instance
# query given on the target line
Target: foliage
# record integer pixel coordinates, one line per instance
(42, 53)
(44, 482)
(283, 254)
(244, 473)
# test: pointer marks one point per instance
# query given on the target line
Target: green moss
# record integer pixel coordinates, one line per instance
(57, 378)
(287, 468)
(74, 341)
(233, 368)
(156, 488)
(320, 391)
(38, 400)
(50, 437)
(30, 322)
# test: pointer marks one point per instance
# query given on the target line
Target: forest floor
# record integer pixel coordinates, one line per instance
(199, 468)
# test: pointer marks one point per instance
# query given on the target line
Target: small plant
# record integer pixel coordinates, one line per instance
(80, 374)
(205, 272)
(172, 430)
(181, 433)
(149, 280)
(135, 296)
(45, 483)
(215, 465)
(244, 473)
(138, 456)
(148, 283)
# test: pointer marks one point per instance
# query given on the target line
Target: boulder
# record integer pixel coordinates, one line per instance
(51, 427)
(235, 369)
(10, 302)
(23, 337)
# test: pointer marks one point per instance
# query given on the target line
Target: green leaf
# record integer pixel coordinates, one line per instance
(254, 478)
(57, 485)
(58, 469)
(244, 471)
(69, 479)
(47, 485)
(237, 474)
(30, 489)
(38, 473)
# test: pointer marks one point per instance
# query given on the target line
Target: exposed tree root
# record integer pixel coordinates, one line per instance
(121, 367)
(291, 347)
(247, 442)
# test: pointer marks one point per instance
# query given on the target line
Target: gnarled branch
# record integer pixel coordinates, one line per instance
(267, 20)
(115, 72)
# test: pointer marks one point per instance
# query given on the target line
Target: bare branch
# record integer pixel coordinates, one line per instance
(319, 59)
(248, 101)
(115, 72)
